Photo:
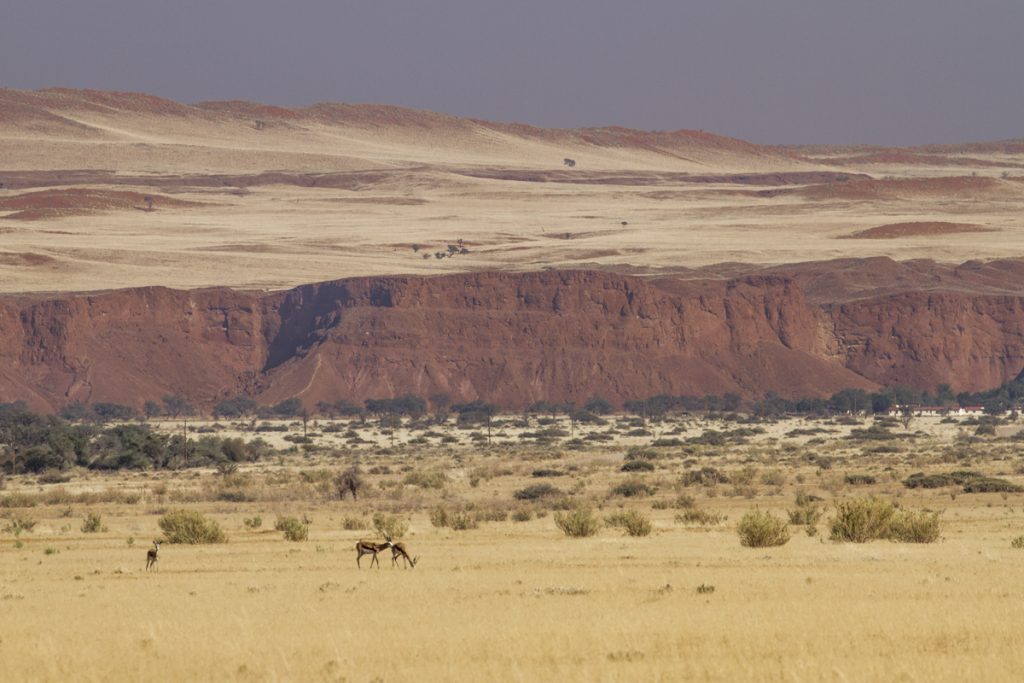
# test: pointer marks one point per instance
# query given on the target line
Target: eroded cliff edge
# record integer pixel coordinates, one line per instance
(513, 338)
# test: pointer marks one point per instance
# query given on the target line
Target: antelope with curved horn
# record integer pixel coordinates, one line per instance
(371, 548)
(398, 550)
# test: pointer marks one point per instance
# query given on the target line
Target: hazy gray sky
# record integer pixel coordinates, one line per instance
(771, 71)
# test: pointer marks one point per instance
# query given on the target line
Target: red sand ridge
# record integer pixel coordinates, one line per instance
(516, 338)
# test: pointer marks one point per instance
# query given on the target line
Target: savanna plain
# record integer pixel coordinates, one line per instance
(658, 585)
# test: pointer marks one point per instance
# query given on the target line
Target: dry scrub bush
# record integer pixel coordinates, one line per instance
(435, 479)
(915, 526)
(762, 530)
(92, 523)
(253, 522)
(293, 528)
(349, 523)
(633, 522)
(577, 523)
(18, 523)
(806, 512)
(537, 492)
(189, 526)
(391, 526)
(695, 515)
(862, 519)
(1017, 543)
(633, 488)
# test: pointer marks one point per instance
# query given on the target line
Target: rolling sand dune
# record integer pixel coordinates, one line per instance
(258, 196)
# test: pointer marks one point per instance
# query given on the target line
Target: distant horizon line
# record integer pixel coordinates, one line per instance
(606, 126)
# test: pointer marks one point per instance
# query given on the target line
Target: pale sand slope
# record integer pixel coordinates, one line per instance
(401, 178)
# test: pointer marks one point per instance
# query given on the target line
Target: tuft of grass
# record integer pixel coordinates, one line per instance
(862, 519)
(694, 515)
(293, 528)
(92, 524)
(253, 522)
(1017, 543)
(634, 523)
(190, 526)
(577, 523)
(759, 529)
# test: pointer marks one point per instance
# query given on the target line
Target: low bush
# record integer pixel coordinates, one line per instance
(758, 529)
(634, 488)
(859, 479)
(806, 512)
(920, 480)
(18, 524)
(92, 524)
(637, 466)
(704, 477)
(1017, 543)
(537, 492)
(633, 522)
(390, 525)
(914, 526)
(253, 522)
(522, 515)
(991, 485)
(577, 523)
(545, 472)
(293, 528)
(434, 479)
(695, 515)
(350, 523)
(862, 519)
(189, 526)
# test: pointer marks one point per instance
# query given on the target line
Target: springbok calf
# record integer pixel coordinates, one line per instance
(152, 555)
(398, 550)
(371, 548)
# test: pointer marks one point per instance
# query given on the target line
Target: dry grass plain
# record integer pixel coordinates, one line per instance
(518, 600)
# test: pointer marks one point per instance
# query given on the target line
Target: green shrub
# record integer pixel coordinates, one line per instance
(537, 491)
(762, 530)
(293, 528)
(935, 481)
(861, 520)
(390, 525)
(914, 526)
(577, 523)
(1017, 543)
(92, 524)
(189, 526)
(634, 488)
(633, 522)
(253, 522)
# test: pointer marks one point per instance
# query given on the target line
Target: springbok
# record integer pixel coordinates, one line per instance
(371, 548)
(398, 550)
(152, 555)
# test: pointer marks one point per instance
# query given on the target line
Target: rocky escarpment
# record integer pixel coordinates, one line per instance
(513, 338)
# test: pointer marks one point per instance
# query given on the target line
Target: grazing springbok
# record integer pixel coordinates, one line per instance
(152, 555)
(371, 548)
(398, 550)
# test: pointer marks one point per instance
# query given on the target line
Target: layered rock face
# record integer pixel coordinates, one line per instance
(513, 338)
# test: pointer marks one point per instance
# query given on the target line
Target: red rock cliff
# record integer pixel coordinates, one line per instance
(510, 338)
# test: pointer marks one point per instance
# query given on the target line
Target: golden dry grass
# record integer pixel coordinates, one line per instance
(519, 601)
